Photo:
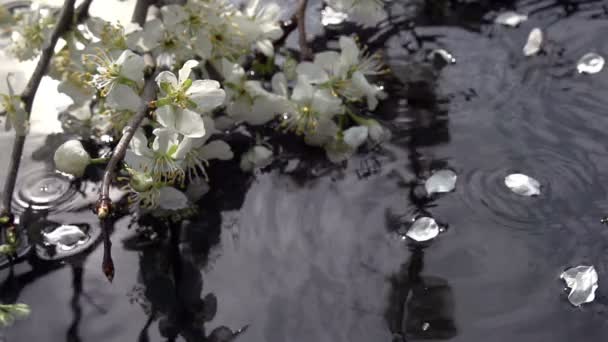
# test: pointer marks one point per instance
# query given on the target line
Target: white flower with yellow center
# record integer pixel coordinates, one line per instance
(260, 25)
(183, 100)
(128, 69)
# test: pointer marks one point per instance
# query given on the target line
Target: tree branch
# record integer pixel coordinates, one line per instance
(64, 23)
(104, 204)
(305, 52)
(82, 12)
(140, 12)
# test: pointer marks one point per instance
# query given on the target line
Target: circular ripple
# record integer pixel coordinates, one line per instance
(566, 180)
(43, 190)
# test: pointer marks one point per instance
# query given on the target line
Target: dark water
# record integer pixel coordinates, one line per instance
(316, 255)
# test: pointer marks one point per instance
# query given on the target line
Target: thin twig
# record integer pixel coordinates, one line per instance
(305, 52)
(64, 23)
(104, 204)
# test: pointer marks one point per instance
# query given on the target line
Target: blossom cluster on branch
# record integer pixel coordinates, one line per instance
(203, 53)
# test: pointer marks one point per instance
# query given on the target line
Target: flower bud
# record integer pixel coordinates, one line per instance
(72, 158)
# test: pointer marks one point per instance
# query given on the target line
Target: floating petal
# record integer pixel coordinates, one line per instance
(423, 229)
(590, 63)
(582, 280)
(66, 235)
(444, 54)
(522, 184)
(535, 40)
(510, 19)
(441, 181)
(330, 16)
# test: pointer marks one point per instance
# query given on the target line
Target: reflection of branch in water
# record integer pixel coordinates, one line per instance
(419, 306)
(77, 273)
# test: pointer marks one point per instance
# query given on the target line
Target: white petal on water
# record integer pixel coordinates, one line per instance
(441, 181)
(423, 229)
(590, 63)
(582, 280)
(510, 19)
(66, 235)
(444, 54)
(535, 40)
(330, 16)
(522, 184)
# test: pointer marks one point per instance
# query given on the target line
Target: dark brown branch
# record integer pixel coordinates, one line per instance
(82, 12)
(141, 11)
(104, 204)
(305, 52)
(64, 22)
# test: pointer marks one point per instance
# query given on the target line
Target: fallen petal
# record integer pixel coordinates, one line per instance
(582, 280)
(590, 63)
(441, 181)
(423, 229)
(330, 16)
(510, 18)
(444, 54)
(535, 40)
(522, 185)
(67, 235)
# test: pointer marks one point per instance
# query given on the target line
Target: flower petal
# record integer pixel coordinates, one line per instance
(132, 66)
(441, 181)
(207, 94)
(122, 97)
(172, 199)
(189, 123)
(279, 84)
(166, 77)
(216, 149)
(184, 72)
(313, 72)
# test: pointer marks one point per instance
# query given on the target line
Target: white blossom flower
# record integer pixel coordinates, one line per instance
(112, 36)
(200, 95)
(194, 154)
(127, 69)
(160, 160)
(258, 156)
(308, 105)
(344, 73)
(367, 13)
(247, 100)
(159, 196)
(260, 25)
(17, 117)
(32, 31)
(71, 158)
(166, 42)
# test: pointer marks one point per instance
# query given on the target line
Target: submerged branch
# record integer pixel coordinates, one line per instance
(64, 23)
(305, 52)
